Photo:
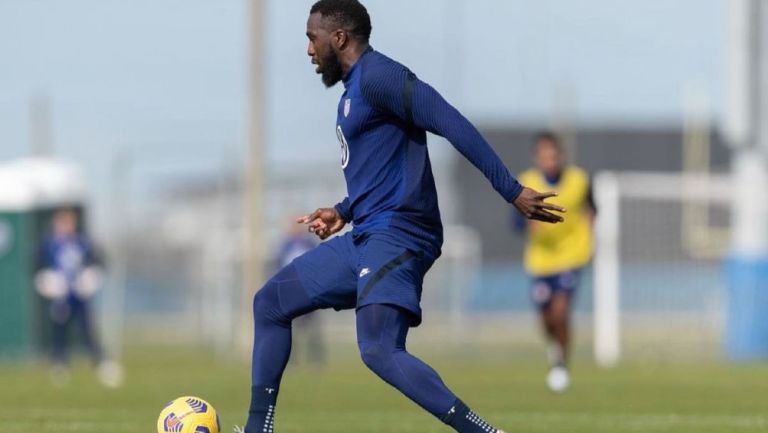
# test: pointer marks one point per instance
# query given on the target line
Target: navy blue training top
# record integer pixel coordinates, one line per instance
(68, 255)
(382, 121)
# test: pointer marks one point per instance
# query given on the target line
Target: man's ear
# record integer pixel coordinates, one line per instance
(340, 39)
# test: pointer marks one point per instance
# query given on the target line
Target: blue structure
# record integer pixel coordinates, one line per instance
(747, 327)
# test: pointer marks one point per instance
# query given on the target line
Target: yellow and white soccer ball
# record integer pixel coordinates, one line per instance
(188, 415)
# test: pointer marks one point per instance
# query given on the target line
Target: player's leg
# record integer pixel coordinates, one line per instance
(381, 335)
(559, 312)
(60, 313)
(282, 299)
(389, 290)
(548, 325)
(81, 313)
(556, 316)
(110, 373)
(554, 294)
(558, 319)
(542, 291)
(321, 278)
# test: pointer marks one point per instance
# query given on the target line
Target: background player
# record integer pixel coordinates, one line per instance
(555, 254)
(68, 277)
(378, 267)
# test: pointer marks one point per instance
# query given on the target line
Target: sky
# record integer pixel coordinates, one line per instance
(521, 61)
(164, 81)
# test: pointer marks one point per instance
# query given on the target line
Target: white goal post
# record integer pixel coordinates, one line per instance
(668, 220)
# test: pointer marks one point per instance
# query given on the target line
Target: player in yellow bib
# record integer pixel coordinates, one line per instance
(556, 253)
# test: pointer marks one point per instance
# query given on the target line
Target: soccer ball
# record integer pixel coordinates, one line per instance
(188, 415)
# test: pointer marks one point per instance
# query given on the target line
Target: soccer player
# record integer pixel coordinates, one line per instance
(376, 268)
(68, 276)
(555, 254)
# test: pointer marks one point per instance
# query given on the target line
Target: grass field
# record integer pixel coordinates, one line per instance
(677, 397)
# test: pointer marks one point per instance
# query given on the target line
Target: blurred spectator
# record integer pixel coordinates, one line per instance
(69, 275)
(556, 253)
(309, 329)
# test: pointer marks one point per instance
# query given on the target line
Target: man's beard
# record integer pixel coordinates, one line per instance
(331, 72)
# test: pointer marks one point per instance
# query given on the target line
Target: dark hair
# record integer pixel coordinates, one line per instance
(66, 210)
(549, 137)
(347, 14)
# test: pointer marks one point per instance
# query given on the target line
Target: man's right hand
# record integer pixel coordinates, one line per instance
(323, 222)
(531, 204)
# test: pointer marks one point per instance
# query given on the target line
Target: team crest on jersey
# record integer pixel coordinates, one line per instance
(344, 147)
(347, 107)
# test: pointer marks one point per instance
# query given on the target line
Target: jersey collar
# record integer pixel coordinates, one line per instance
(349, 73)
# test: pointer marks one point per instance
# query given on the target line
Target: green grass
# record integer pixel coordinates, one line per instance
(508, 391)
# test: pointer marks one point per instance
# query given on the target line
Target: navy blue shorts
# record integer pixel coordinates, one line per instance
(544, 288)
(355, 270)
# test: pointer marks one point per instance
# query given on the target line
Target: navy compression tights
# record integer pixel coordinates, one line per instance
(381, 335)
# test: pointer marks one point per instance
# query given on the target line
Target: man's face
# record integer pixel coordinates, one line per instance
(65, 223)
(321, 51)
(549, 159)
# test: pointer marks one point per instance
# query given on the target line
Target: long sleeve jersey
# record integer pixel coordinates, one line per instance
(383, 117)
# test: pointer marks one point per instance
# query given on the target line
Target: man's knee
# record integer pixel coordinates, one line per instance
(266, 305)
(282, 299)
(560, 308)
(375, 356)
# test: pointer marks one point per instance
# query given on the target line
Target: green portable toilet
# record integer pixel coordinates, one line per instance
(15, 266)
(29, 190)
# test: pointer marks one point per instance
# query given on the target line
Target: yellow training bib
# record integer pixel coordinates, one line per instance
(555, 248)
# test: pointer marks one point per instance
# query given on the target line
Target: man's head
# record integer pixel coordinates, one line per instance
(548, 153)
(65, 223)
(335, 28)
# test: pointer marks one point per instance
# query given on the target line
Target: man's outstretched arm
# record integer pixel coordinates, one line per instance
(412, 100)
